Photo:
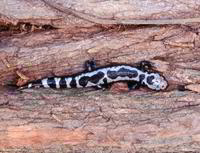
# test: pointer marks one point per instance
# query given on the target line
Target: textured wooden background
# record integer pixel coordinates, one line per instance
(53, 37)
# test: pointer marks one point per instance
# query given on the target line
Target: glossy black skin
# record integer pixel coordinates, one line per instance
(89, 66)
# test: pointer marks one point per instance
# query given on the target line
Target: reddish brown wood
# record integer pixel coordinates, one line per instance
(101, 121)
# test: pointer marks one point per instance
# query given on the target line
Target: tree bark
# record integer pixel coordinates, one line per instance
(46, 38)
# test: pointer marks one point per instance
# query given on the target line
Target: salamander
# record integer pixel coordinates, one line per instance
(102, 77)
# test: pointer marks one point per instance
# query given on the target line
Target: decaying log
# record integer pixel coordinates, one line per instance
(85, 120)
(174, 50)
(95, 120)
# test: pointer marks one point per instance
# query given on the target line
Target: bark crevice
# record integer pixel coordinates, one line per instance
(54, 38)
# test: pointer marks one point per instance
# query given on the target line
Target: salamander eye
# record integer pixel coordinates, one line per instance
(162, 86)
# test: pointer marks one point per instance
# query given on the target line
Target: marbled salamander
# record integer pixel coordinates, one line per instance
(135, 76)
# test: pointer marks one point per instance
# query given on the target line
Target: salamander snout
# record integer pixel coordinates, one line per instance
(156, 82)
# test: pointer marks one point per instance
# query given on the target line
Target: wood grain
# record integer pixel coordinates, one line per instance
(135, 121)
(85, 120)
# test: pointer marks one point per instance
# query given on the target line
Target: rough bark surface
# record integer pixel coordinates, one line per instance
(54, 37)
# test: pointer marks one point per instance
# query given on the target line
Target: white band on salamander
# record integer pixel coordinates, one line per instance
(30, 85)
(57, 80)
(44, 83)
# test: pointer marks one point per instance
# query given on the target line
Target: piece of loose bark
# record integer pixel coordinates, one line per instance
(61, 13)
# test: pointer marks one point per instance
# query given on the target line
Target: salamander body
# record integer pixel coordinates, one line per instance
(135, 76)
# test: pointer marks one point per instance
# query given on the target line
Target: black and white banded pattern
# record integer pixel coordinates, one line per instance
(101, 76)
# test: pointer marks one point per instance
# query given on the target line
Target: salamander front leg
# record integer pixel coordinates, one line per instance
(90, 65)
(133, 85)
(145, 66)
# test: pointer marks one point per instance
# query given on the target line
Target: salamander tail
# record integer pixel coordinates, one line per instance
(33, 84)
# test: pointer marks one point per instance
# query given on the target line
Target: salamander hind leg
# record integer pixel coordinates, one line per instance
(90, 65)
(104, 86)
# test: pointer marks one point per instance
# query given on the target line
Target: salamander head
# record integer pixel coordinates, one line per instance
(156, 82)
